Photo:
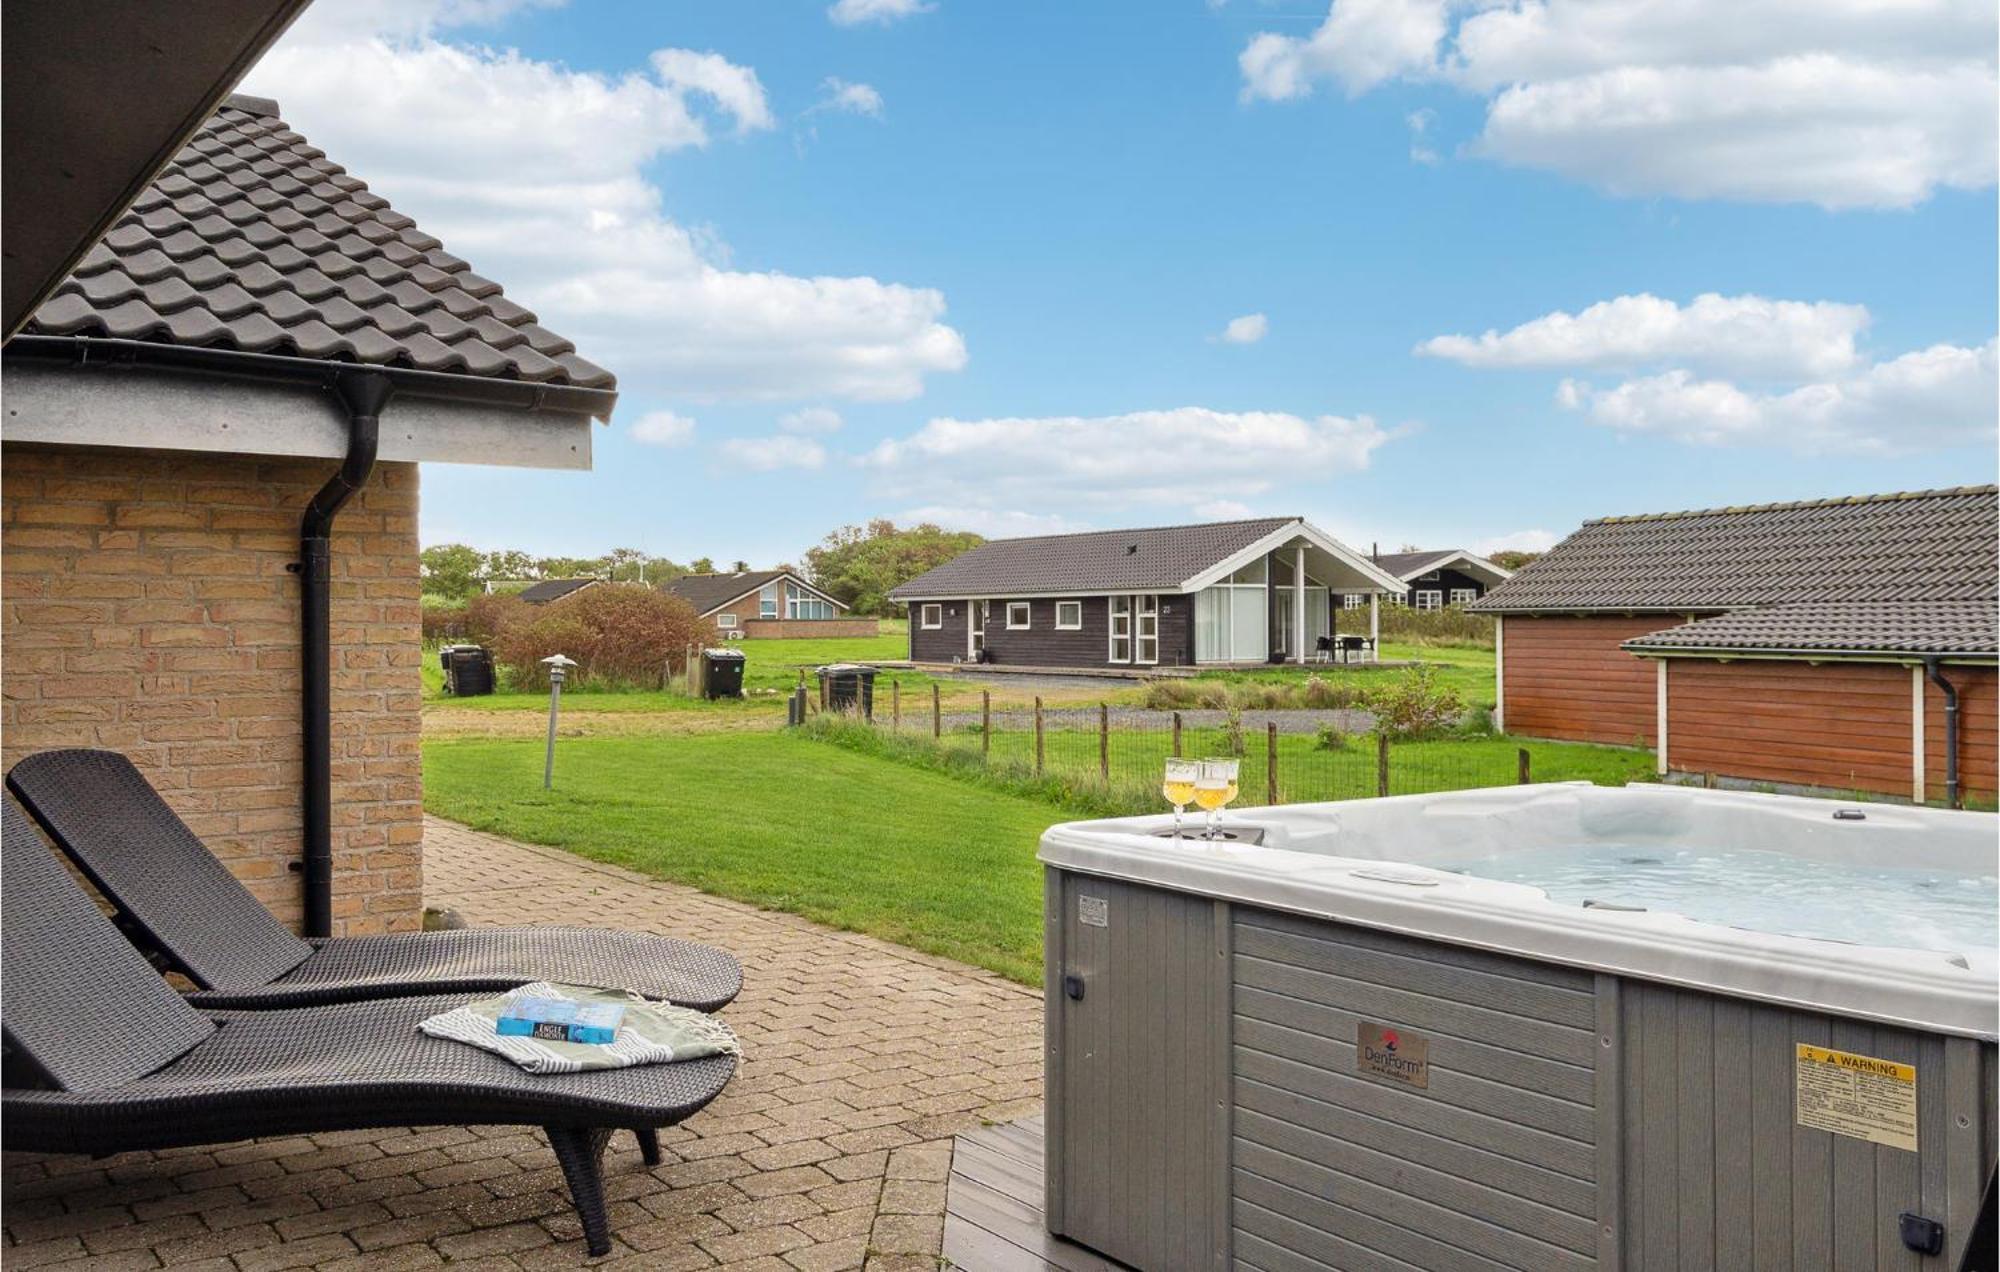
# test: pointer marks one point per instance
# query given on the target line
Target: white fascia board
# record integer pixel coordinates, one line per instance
(1311, 534)
(1500, 574)
(782, 576)
(133, 408)
(1066, 594)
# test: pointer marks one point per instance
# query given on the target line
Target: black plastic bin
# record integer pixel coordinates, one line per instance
(721, 673)
(468, 670)
(848, 687)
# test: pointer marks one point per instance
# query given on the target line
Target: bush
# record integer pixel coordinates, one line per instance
(1185, 695)
(622, 636)
(1330, 738)
(1415, 705)
(1453, 626)
(443, 618)
(1328, 695)
(1477, 723)
(490, 613)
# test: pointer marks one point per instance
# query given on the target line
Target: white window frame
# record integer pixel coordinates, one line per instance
(725, 620)
(1120, 630)
(1397, 599)
(930, 617)
(1429, 599)
(1464, 595)
(1146, 630)
(767, 601)
(1027, 610)
(1074, 624)
(1353, 600)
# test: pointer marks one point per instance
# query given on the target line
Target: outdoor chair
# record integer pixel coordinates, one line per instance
(103, 1057)
(178, 902)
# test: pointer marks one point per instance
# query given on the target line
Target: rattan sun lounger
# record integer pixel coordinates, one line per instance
(181, 904)
(118, 1061)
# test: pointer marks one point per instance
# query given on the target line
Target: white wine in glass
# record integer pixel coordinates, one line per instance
(1178, 786)
(1211, 791)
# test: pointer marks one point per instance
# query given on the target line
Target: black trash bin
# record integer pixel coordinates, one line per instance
(468, 670)
(721, 673)
(848, 687)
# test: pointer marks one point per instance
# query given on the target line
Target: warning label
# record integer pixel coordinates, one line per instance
(1858, 1096)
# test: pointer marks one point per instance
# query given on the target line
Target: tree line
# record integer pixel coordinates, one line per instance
(856, 565)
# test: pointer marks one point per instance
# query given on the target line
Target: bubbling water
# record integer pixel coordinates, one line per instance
(1766, 892)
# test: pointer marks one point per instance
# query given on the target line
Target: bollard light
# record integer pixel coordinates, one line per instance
(558, 667)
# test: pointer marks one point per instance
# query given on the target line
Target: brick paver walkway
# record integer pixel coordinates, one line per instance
(830, 1150)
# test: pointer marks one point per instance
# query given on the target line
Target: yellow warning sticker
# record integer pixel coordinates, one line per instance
(1858, 1096)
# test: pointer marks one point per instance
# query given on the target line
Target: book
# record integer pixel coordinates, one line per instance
(560, 1020)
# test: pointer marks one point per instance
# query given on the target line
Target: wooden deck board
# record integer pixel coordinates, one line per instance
(993, 1206)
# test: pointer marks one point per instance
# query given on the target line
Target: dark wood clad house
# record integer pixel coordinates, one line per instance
(1823, 644)
(1441, 577)
(1241, 592)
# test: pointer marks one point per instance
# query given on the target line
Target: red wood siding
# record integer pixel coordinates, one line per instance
(1567, 678)
(1843, 726)
(1978, 733)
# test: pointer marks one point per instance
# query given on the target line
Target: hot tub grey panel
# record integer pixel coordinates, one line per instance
(1717, 1174)
(1493, 1165)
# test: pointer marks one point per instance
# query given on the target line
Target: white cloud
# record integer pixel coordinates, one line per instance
(811, 419)
(1108, 465)
(1945, 395)
(993, 523)
(663, 428)
(1248, 329)
(882, 12)
(768, 454)
(1420, 122)
(1514, 541)
(1842, 103)
(1745, 335)
(1222, 510)
(849, 99)
(537, 174)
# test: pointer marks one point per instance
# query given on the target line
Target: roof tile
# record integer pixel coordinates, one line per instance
(252, 239)
(1152, 559)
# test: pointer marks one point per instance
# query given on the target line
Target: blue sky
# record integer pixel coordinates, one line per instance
(976, 262)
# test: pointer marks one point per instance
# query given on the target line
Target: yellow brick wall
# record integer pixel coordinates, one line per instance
(148, 609)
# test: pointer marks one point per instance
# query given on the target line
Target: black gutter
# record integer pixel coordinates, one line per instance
(103, 352)
(1935, 672)
(363, 393)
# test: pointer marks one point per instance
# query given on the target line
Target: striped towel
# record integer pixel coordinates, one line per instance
(651, 1033)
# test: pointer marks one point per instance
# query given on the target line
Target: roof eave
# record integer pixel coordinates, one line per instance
(1645, 649)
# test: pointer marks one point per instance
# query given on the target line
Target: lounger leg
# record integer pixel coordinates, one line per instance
(581, 1152)
(649, 1144)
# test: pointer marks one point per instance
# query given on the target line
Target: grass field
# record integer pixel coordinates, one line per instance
(1466, 670)
(775, 819)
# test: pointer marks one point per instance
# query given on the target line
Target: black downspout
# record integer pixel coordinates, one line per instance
(363, 394)
(1950, 692)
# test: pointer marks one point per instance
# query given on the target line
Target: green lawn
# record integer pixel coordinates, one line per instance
(914, 857)
(1469, 671)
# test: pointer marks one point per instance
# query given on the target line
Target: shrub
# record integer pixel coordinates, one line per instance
(1477, 722)
(443, 619)
(1415, 705)
(490, 613)
(1330, 738)
(1185, 695)
(622, 636)
(1325, 695)
(1232, 733)
(1452, 626)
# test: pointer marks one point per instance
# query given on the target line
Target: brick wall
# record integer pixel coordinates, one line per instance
(148, 609)
(810, 628)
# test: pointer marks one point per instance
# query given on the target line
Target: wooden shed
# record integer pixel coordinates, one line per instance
(1840, 644)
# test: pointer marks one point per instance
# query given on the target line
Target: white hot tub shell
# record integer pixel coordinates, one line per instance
(1322, 1050)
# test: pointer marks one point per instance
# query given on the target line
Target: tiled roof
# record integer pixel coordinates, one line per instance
(706, 591)
(553, 590)
(1893, 627)
(1156, 559)
(1931, 545)
(252, 240)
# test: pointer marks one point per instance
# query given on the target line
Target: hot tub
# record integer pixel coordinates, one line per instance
(1558, 1026)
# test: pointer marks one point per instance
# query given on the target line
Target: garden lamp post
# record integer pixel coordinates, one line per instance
(558, 667)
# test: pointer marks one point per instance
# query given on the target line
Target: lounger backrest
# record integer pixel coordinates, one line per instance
(102, 812)
(77, 1001)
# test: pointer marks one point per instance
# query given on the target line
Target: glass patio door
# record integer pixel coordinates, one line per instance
(1146, 645)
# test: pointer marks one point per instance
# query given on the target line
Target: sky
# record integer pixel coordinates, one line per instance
(1442, 273)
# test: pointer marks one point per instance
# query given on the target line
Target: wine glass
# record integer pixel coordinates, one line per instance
(1178, 786)
(1214, 789)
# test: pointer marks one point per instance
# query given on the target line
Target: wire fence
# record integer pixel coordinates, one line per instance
(1285, 757)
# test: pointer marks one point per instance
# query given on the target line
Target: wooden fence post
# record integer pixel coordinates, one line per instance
(1271, 762)
(895, 704)
(1104, 742)
(1382, 765)
(985, 722)
(1521, 765)
(937, 713)
(1177, 735)
(1038, 736)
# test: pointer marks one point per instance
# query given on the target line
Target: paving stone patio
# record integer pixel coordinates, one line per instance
(830, 1150)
